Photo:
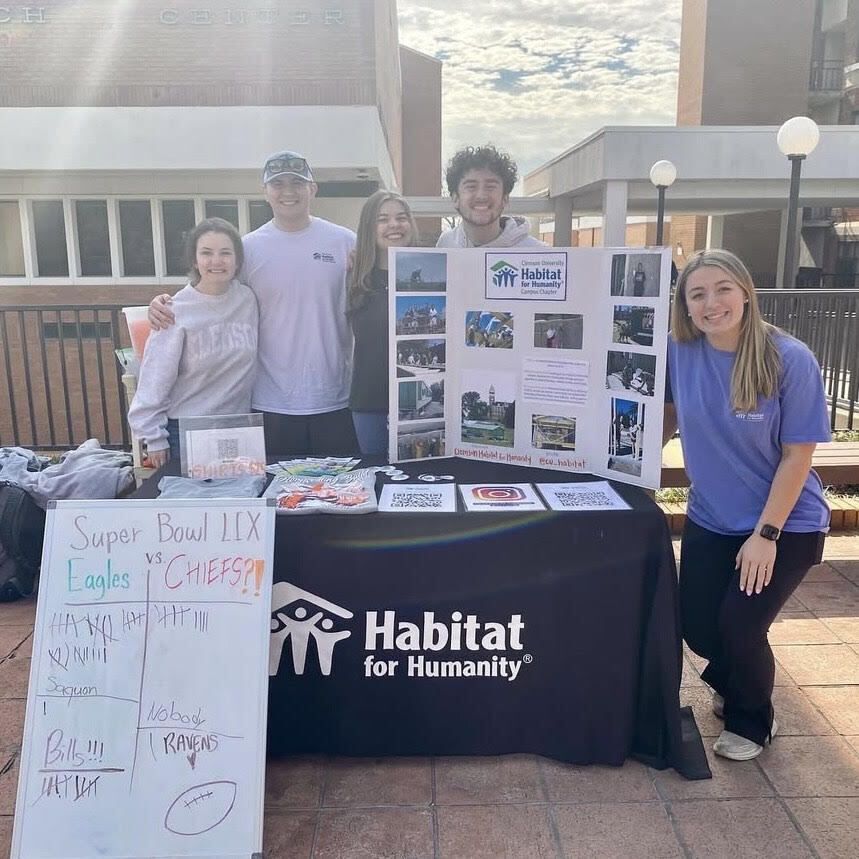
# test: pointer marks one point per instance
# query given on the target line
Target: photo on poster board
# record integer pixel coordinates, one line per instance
(488, 407)
(420, 399)
(558, 330)
(630, 371)
(421, 440)
(421, 271)
(633, 324)
(553, 432)
(420, 315)
(416, 357)
(489, 329)
(636, 275)
(626, 436)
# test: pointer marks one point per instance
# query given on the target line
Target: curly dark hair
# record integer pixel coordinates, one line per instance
(481, 158)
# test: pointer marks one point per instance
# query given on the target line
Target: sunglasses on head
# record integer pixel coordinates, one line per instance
(280, 165)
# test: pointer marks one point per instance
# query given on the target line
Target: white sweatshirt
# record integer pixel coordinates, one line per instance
(305, 340)
(203, 365)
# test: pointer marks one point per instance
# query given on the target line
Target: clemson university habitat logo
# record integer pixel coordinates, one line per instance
(533, 275)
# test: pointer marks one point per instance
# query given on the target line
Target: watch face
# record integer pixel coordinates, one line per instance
(769, 532)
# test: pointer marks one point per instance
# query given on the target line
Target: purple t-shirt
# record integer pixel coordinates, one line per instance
(731, 457)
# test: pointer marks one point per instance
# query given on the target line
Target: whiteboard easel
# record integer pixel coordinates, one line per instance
(146, 710)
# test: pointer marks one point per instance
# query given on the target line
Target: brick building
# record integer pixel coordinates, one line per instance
(742, 65)
(760, 64)
(125, 123)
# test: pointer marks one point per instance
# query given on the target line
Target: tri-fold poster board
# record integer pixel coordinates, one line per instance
(146, 711)
(551, 358)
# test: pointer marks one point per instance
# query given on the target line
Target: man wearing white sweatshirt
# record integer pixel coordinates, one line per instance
(296, 266)
(480, 180)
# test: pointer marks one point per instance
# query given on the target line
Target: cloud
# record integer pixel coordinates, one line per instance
(537, 76)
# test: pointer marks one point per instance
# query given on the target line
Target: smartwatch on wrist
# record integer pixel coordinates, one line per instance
(769, 532)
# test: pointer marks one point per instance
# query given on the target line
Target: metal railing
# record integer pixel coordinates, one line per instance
(60, 382)
(828, 322)
(826, 76)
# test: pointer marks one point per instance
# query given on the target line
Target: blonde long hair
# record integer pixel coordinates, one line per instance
(757, 363)
(365, 245)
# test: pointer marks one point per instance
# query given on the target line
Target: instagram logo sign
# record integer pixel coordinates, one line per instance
(498, 493)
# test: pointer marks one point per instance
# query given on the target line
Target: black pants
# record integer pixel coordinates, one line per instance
(326, 434)
(728, 628)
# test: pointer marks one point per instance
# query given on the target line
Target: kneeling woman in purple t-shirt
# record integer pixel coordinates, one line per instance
(750, 404)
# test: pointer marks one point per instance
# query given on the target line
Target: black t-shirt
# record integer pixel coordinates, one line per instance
(369, 319)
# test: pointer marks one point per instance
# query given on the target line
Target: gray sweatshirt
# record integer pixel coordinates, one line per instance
(514, 233)
(202, 365)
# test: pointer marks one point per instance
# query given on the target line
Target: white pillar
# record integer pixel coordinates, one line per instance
(715, 231)
(614, 213)
(563, 221)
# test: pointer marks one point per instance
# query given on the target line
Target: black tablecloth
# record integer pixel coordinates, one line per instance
(581, 606)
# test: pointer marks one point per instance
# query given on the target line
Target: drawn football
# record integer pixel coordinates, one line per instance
(201, 808)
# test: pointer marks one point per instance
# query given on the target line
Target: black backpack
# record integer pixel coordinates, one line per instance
(22, 532)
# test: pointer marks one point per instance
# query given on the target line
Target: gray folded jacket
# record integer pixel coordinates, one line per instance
(246, 486)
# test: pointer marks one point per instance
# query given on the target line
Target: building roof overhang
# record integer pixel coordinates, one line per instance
(343, 143)
(720, 169)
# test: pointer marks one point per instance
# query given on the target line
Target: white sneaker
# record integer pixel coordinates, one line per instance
(737, 748)
(718, 705)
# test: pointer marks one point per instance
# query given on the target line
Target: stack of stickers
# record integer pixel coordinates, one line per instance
(349, 492)
(312, 466)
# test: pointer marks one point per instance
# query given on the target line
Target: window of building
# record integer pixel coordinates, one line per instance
(93, 237)
(178, 216)
(226, 209)
(11, 242)
(135, 230)
(259, 213)
(50, 230)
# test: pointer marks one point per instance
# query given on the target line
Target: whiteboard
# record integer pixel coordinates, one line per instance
(146, 710)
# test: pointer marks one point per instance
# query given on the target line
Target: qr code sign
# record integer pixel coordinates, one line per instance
(228, 448)
(584, 499)
(428, 500)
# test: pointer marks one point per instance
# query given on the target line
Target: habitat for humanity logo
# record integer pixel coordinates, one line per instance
(532, 275)
(427, 645)
(300, 616)
(505, 274)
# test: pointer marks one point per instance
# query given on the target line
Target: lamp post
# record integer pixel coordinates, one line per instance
(796, 139)
(662, 175)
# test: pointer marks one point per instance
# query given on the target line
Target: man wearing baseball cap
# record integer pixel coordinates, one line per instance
(296, 266)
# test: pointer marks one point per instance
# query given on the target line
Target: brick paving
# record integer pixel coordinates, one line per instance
(800, 798)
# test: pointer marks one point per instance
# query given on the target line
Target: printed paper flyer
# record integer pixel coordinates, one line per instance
(551, 358)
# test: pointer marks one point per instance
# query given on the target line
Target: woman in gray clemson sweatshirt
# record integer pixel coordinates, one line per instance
(205, 363)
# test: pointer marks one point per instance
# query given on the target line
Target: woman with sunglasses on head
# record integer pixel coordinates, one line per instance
(205, 363)
(386, 222)
(750, 404)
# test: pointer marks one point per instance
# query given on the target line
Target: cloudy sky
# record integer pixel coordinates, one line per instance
(536, 76)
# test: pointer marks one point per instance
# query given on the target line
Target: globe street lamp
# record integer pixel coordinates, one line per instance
(662, 175)
(796, 139)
